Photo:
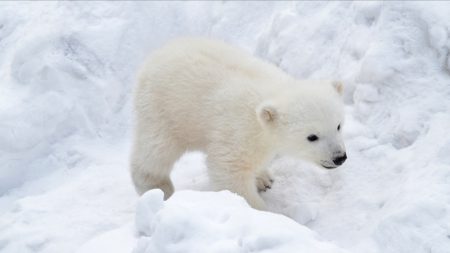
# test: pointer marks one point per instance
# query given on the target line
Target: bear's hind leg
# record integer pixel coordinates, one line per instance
(152, 160)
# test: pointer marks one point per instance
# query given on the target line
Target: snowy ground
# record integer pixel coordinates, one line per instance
(66, 72)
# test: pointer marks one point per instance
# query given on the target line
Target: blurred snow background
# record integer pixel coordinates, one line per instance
(66, 72)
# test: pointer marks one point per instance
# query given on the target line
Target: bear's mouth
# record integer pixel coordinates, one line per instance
(329, 167)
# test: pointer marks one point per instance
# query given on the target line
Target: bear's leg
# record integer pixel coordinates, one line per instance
(235, 178)
(264, 180)
(152, 160)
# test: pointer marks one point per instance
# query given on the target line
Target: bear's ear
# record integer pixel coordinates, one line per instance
(338, 86)
(267, 113)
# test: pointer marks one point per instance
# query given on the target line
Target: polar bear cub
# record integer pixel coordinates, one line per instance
(201, 94)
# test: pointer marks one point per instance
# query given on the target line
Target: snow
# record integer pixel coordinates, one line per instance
(66, 72)
(220, 221)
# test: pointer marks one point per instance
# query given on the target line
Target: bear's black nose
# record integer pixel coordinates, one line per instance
(340, 160)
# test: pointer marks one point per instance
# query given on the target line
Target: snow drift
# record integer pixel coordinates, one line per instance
(66, 72)
(217, 222)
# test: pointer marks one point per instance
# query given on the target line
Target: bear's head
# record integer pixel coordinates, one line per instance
(306, 122)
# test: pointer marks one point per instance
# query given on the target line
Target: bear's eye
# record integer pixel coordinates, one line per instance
(339, 127)
(313, 137)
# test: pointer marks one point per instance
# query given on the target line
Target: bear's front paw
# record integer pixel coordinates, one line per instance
(264, 181)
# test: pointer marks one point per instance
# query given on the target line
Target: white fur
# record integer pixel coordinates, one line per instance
(199, 94)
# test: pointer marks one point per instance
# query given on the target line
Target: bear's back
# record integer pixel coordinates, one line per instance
(193, 84)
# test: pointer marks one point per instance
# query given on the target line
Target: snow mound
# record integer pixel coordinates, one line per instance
(66, 72)
(218, 222)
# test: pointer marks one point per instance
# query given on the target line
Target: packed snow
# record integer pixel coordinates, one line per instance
(66, 74)
(226, 224)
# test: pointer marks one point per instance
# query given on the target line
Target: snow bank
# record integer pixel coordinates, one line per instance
(66, 71)
(217, 222)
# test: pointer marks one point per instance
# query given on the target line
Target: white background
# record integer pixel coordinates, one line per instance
(66, 73)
